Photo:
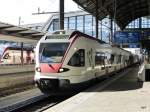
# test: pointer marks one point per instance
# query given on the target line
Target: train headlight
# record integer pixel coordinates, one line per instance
(75, 48)
(38, 69)
(63, 70)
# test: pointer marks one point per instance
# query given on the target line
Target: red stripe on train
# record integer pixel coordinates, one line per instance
(50, 68)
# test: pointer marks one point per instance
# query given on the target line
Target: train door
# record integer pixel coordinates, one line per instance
(112, 61)
(99, 63)
(118, 61)
(89, 62)
(90, 58)
(108, 62)
(115, 62)
(77, 66)
(122, 61)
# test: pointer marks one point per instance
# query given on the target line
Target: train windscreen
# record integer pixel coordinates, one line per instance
(52, 52)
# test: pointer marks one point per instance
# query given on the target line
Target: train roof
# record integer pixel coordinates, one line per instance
(68, 34)
(78, 33)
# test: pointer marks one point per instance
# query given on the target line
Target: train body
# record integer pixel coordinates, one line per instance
(12, 55)
(65, 59)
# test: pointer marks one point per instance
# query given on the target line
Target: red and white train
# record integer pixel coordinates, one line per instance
(12, 55)
(65, 59)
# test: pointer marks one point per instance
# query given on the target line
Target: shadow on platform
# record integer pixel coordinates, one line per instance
(118, 86)
(124, 86)
(126, 83)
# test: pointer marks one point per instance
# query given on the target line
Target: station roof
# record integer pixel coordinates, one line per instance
(14, 33)
(124, 11)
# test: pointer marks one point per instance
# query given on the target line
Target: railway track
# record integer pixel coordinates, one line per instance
(42, 104)
(30, 101)
(15, 82)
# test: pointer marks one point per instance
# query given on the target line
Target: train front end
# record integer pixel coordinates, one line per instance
(49, 71)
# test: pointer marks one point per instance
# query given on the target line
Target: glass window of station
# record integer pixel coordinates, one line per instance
(143, 21)
(86, 24)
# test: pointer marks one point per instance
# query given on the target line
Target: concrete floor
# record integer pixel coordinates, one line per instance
(123, 95)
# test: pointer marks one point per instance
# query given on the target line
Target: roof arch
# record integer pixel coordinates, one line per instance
(124, 11)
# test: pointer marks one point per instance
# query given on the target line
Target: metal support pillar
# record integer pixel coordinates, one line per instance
(96, 19)
(140, 22)
(101, 30)
(111, 31)
(140, 27)
(21, 58)
(61, 14)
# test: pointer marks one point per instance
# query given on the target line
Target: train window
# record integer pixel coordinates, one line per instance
(6, 56)
(119, 59)
(107, 58)
(112, 58)
(78, 59)
(99, 58)
(52, 52)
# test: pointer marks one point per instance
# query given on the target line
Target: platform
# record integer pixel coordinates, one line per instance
(124, 94)
(7, 69)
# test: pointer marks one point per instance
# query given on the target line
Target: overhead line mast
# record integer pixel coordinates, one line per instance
(61, 14)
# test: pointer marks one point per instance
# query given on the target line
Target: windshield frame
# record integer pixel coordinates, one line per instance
(52, 58)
